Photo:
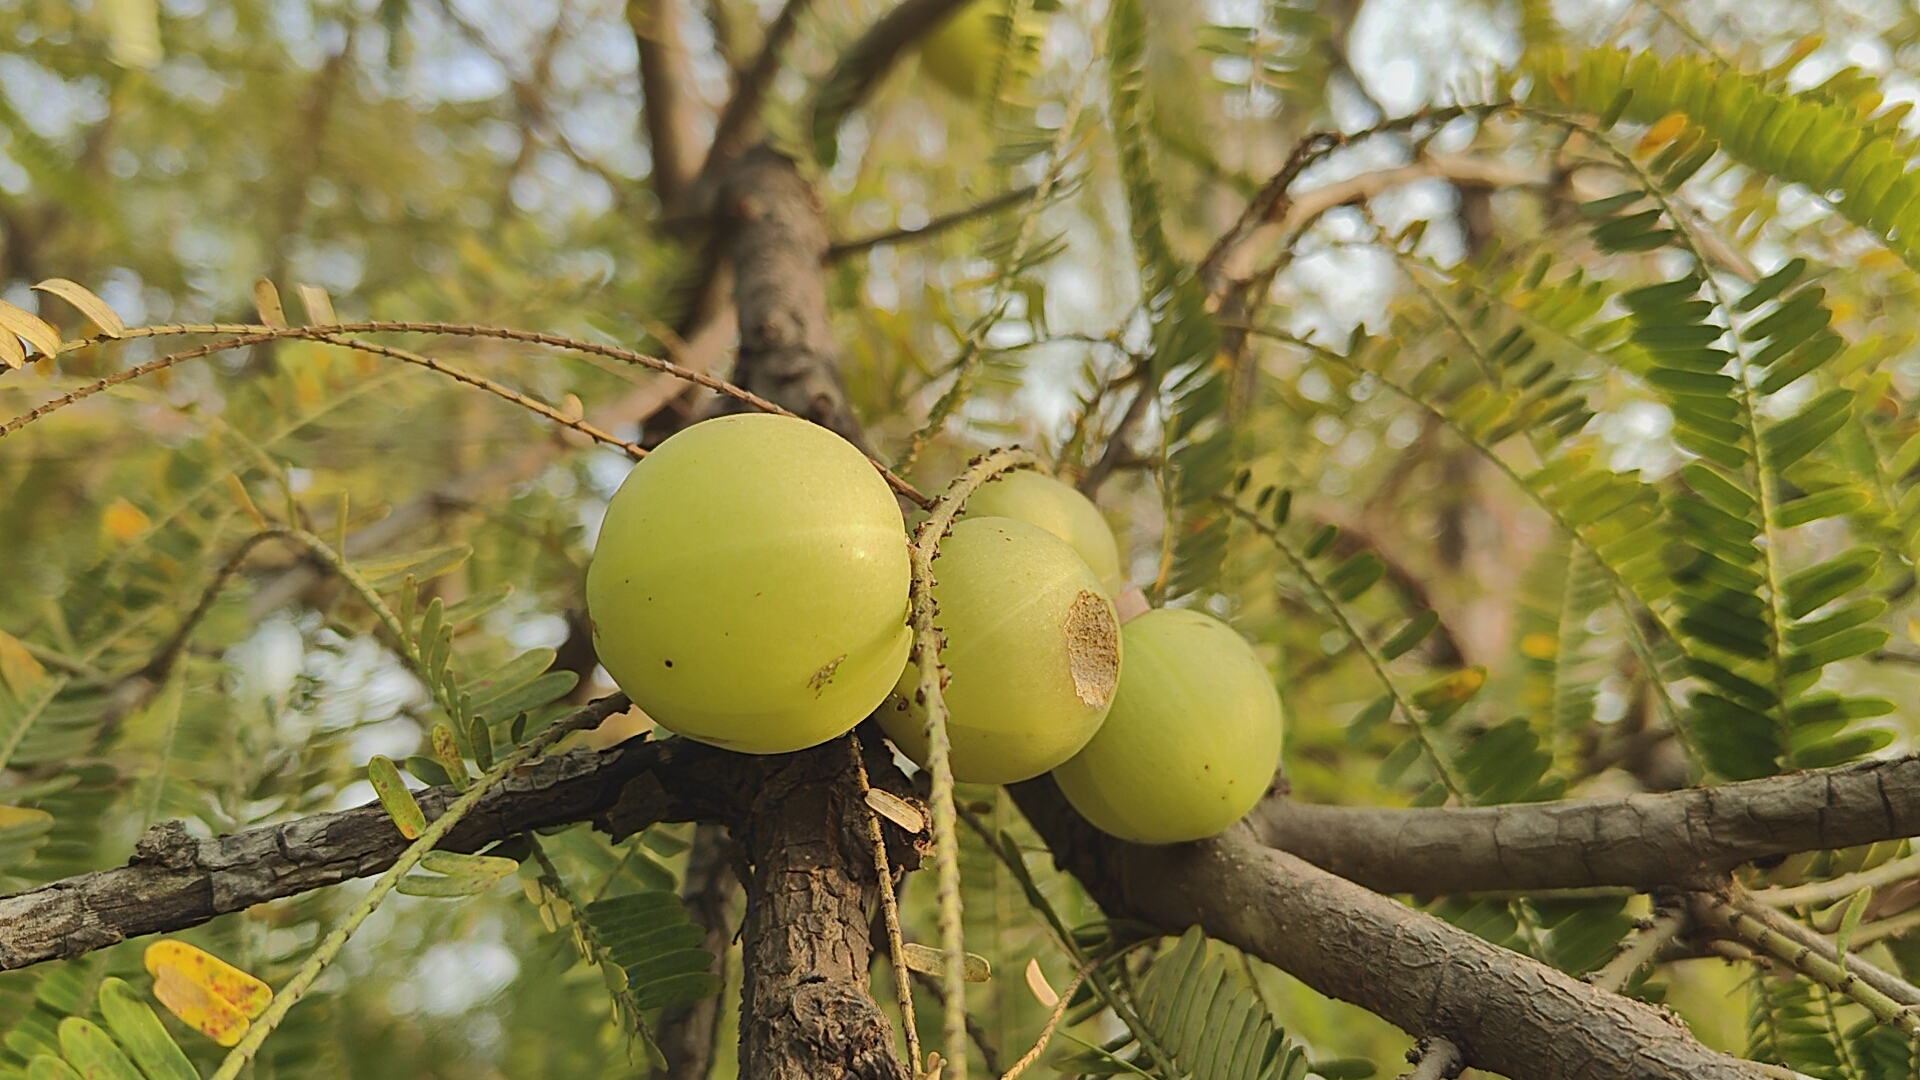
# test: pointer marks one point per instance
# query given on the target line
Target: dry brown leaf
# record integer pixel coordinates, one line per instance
(897, 810)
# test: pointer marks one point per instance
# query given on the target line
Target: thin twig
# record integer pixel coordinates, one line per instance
(1758, 925)
(1116, 450)
(162, 663)
(1637, 950)
(935, 227)
(731, 133)
(253, 334)
(982, 1044)
(927, 641)
(1372, 656)
(1818, 893)
(1436, 1058)
(889, 907)
(531, 404)
(966, 365)
(132, 373)
(1872, 974)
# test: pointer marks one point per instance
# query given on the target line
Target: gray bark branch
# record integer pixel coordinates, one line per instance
(175, 881)
(1688, 838)
(665, 108)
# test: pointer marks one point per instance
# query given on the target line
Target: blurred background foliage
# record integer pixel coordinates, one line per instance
(484, 162)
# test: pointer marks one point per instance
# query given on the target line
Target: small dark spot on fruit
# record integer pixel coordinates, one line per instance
(669, 663)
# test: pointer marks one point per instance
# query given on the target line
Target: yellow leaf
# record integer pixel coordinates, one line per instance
(221, 979)
(1661, 133)
(37, 331)
(20, 673)
(1037, 983)
(124, 521)
(13, 817)
(266, 300)
(1539, 646)
(133, 32)
(1451, 689)
(199, 1008)
(12, 354)
(319, 306)
(94, 308)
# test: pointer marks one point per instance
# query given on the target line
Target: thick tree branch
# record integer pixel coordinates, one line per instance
(777, 244)
(175, 881)
(1640, 841)
(1688, 838)
(665, 108)
(1503, 1011)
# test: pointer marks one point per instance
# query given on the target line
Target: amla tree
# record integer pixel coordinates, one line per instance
(1551, 441)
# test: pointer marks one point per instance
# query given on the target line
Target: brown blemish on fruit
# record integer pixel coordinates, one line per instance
(1093, 649)
(825, 675)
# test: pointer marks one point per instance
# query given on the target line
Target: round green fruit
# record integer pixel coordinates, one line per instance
(1033, 648)
(1192, 741)
(1058, 508)
(749, 588)
(964, 53)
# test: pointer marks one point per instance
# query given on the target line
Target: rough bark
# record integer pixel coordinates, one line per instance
(175, 881)
(777, 243)
(1685, 838)
(1504, 1012)
(688, 1034)
(807, 1011)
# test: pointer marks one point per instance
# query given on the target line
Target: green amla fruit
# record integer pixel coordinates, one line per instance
(1192, 741)
(965, 53)
(749, 588)
(1033, 648)
(1056, 507)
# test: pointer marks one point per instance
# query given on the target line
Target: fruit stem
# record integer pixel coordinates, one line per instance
(933, 676)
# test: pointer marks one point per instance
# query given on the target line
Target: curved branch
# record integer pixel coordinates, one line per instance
(1503, 1011)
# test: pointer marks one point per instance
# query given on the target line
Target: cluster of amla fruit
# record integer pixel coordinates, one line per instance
(750, 590)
